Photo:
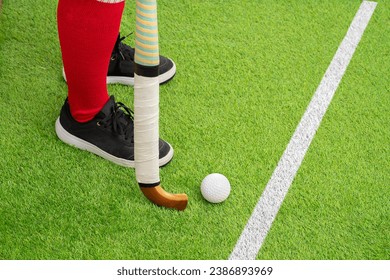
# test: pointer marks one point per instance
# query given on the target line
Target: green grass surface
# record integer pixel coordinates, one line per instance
(338, 206)
(246, 73)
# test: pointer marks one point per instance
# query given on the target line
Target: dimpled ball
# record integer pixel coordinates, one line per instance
(215, 188)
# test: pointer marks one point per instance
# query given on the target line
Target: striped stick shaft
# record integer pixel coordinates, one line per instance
(146, 95)
(147, 50)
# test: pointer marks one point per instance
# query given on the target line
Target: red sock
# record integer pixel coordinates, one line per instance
(87, 31)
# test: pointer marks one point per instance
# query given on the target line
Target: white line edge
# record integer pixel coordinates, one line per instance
(258, 225)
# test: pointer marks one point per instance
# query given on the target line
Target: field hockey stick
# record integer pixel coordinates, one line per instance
(146, 108)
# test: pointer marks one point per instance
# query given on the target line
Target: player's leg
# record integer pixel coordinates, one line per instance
(121, 64)
(87, 31)
(90, 119)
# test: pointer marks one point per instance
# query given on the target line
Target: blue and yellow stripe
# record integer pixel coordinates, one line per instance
(146, 41)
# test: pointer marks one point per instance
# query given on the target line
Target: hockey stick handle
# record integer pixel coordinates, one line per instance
(146, 94)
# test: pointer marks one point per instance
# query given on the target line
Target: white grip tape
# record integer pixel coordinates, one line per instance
(146, 129)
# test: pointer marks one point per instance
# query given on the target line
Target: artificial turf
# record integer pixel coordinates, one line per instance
(246, 70)
(338, 206)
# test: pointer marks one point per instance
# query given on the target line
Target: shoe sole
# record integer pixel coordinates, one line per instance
(74, 141)
(128, 81)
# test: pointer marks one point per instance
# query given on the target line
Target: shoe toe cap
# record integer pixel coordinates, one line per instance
(166, 64)
(165, 152)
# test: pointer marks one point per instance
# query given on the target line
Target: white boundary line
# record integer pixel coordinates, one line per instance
(260, 222)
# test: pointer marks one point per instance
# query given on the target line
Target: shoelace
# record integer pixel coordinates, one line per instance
(125, 50)
(121, 121)
(124, 37)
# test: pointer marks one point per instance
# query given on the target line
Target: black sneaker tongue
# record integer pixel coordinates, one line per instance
(107, 109)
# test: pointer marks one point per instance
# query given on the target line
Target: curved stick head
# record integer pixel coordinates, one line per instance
(160, 197)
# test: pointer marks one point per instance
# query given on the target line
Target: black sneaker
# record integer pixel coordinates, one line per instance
(121, 67)
(109, 135)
